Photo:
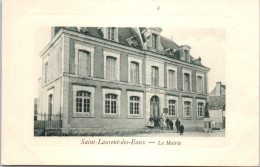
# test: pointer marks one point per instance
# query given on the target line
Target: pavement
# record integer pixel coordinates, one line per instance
(169, 133)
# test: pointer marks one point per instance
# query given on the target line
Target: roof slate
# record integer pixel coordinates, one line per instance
(217, 102)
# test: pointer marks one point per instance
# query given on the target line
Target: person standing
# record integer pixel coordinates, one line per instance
(161, 123)
(171, 124)
(151, 122)
(181, 129)
(177, 124)
(167, 123)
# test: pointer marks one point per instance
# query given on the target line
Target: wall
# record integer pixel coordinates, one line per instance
(54, 62)
(217, 116)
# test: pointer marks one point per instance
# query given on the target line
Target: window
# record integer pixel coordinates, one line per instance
(200, 84)
(155, 76)
(134, 72)
(111, 104)
(171, 79)
(186, 82)
(200, 109)
(186, 54)
(154, 41)
(134, 105)
(83, 101)
(46, 72)
(50, 101)
(84, 63)
(111, 33)
(84, 59)
(187, 109)
(172, 107)
(111, 68)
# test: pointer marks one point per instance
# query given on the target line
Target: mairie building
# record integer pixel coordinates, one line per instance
(113, 77)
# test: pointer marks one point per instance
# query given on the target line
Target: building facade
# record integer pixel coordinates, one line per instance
(111, 77)
(217, 105)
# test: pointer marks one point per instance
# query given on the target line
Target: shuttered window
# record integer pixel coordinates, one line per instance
(171, 79)
(155, 76)
(134, 72)
(84, 63)
(200, 84)
(111, 68)
(186, 82)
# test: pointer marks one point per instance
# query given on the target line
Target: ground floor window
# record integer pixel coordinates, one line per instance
(187, 108)
(111, 104)
(172, 107)
(134, 105)
(83, 101)
(200, 109)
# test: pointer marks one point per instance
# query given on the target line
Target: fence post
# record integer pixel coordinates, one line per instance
(44, 124)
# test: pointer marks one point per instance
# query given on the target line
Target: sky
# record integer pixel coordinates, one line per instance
(207, 43)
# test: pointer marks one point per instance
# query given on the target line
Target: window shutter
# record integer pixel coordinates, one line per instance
(108, 68)
(88, 65)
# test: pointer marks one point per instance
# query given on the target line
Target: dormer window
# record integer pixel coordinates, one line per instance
(186, 55)
(111, 33)
(154, 41)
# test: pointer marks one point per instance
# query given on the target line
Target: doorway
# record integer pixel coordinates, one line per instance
(154, 106)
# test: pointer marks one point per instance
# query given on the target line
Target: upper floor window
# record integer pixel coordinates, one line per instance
(111, 68)
(172, 107)
(46, 72)
(83, 102)
(111, 33)
(134, 72)
(111, 104)
(186, 55)
(134, 105)
(154, 41)
(171, 79)
(187, 109)
(186, 82)
(200, 84)
(200, 109)
(84, 63)
(155, 76)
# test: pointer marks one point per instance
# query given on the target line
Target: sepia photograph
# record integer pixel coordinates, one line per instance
(130, 81)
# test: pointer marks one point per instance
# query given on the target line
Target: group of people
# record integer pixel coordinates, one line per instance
(159, 123)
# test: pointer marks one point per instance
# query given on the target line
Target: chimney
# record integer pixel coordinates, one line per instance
(218, 88)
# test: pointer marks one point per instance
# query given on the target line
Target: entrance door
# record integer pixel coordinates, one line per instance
(154, 106)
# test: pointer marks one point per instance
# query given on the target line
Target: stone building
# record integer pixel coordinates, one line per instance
(112, 77)
(217, 105)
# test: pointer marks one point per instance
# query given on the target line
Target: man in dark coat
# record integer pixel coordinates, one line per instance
(171, 124)
(156, 122)
(177, 124)
(181, 128)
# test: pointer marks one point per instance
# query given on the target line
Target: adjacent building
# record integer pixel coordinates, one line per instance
(110, 77)
(217, 105)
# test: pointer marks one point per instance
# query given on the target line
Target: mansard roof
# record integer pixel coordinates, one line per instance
(126, 33)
